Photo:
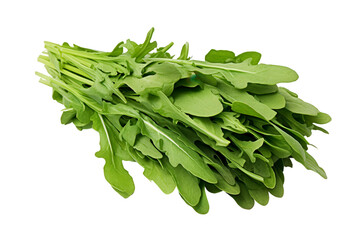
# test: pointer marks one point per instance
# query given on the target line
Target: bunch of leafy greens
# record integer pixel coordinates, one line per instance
(221, 124)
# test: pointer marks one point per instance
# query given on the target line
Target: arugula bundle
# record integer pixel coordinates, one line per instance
(221, 124)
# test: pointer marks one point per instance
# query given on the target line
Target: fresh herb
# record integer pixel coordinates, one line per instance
(221, 124)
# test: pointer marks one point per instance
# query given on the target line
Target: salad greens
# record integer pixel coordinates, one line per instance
(217, 125)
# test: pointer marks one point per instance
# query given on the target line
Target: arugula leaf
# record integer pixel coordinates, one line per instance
(111, 151)
(187, 184)
(203, 206)
(240, 74)
(278, 190)
(249, 147)
(144, 145)
(154, 171)
(244, 199)
(254, 56)
(229, 121)
(161, 104)
(272, 100)
(219, 56)
(226, 187)
(176, 150)
(257, 191)
(296, 105)
(259, 89)
(166, 75)
(311, 164)
(197, 102)
(244, 103)
(320, 118)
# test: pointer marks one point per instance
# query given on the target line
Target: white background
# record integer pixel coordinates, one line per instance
(51, 184)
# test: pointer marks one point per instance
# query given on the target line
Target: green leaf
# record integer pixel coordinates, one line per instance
(229, 121)
(129, 133)
(219, 56)
(131, 47)
(263, 169)
(320, 129)
(141, 50)
(118, 50)
(260, 89)
(278, 190)
(203, 206)
(206, 123)
(297, 151)
(240, 74)
(249, 147)
(189, 82)
(244, 103)
(144, 145)
(161, 52)
(68, 115)
(111, 151)
(231, 154)
(107, 68)
(272, 100)
(254, 56)
(256, 190)
(68, 99)
(187, 184)
(298, 136)
(98, 91)
(277, 144)
(320, 118)
(244, 199)
(226, 187)
(119, 109)
(57, 96)
(154, 171)
(204, 78)
(296, 105)
(80, 125)
(301, 155)
(177, 152)
(197, 102)
(164, 77)
(211, 188)
(211, 158)
(287, 162)
(311, 164)
(287, 118)
(184, 52)
(161, 104)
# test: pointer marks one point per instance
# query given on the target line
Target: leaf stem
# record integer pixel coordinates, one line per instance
(195, 63)
(45, 60)
(96, 56)
(48, 80)
(66, 72)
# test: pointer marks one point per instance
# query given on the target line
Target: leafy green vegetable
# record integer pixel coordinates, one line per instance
(222, 124)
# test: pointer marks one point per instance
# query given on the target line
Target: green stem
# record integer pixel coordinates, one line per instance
(48, 80)
(46, 60)
(59, 49)
(199, 64)
(66, 72)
